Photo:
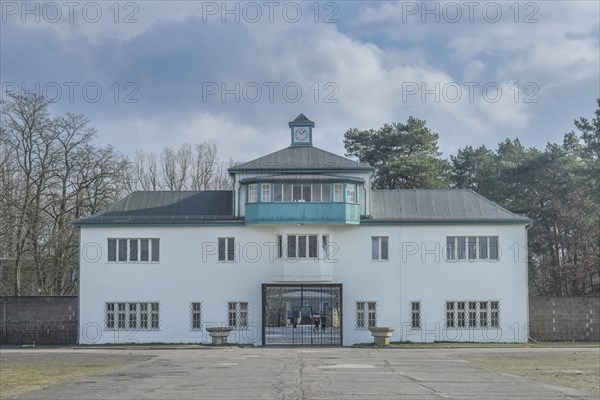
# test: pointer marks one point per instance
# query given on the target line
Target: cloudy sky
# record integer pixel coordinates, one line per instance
(150, 74)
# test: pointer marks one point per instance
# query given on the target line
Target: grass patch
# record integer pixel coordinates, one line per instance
(574, 369)
(27, 372)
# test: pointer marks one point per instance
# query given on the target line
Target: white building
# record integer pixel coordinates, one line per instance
(303, 233)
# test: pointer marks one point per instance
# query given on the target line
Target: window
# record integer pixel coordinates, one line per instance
(461, 314)
(483, 314)
(350, 193)
(472, 314)
(252, 193)
(415, 315)
(338, 194)
(325, 245)
(450, 320)
(366, 314)
(302, 192)
(154, 315)
(226, 249)
(279, 249)
(110, 315)
(132, 316)
(302, 246)
(265, 195)
(379, 248)
(495, 314)
(133, 250)
(196, 316)
(472, 248)
(237, 314)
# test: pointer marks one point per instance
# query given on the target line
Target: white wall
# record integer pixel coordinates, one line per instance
(187, 272)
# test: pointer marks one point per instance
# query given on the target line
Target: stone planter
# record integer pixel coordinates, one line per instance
(219, 334)
(382, 335)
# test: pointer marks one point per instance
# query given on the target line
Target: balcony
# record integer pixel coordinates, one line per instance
(302, 213)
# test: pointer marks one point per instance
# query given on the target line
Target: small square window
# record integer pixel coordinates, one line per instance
(379, 248)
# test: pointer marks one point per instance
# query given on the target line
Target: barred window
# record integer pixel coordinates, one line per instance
(110, 315)
(450, 319)
(132, 315)
(472, 314)
(196, 315)
(495, 314)
(133, 250)
(366, 314)
(237, 314)
(415, 315)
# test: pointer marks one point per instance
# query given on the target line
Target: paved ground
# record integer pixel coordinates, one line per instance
(292, 373)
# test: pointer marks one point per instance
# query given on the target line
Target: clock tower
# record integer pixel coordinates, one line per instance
(301, 130)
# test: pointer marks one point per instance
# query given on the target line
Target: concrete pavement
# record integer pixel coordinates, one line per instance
(307, 373)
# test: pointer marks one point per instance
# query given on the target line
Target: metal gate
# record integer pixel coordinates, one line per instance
(302, 314)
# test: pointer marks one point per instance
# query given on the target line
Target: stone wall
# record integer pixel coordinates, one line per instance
(39, 319)
(564, 318)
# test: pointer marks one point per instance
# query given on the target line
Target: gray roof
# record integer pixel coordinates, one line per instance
(166, 207)
(301, 120)
(308, 178)
(437, 205)
(295, 158)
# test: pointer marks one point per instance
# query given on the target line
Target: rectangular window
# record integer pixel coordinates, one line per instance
(312, 246)
(110, 315)
(265, 193)
(306, 193)
(483, 314)
(132, 320)
(325, 245)
(112, 250)
(196, 316)
(155, 249)
(316, 193)
(472, 314)
(154, 315)
(302, 246)
(366, 314)
(132, 316)
(237, 314)
(326, 192)
(450, 320)
(121, 315)
(277, 192)
(226, 249)
(415, 315)
(252, 193)
(132, 250)
(279, 249)
(379, 248)
(144, 250)
(495, 314)
(122, 249)
(287, 192)
(143, 315)
(472, 247)
(350, 193)
(297, 192)
(338, 193)
(461, 305)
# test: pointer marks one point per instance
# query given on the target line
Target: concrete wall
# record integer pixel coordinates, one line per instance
(39, 319)
(564, 318)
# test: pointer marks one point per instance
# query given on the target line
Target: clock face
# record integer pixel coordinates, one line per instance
(301, 135)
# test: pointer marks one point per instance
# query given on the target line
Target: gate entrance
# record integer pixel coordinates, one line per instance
(302, 314)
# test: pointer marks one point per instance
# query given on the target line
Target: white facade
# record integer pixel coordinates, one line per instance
(419, 289)
(188, 271)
